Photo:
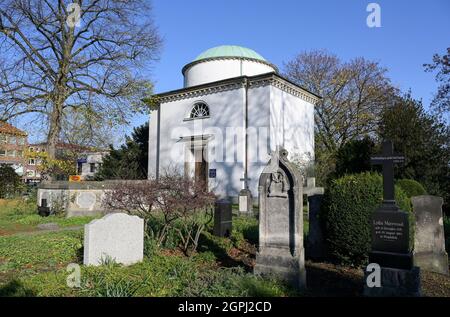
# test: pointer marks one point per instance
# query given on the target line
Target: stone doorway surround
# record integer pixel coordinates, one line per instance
(196, 163)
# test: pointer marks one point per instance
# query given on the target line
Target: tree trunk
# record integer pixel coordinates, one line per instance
(54, 131)
(60, 94)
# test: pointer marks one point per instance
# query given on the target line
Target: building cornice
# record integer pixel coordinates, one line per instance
(286, 86)
(237, 83)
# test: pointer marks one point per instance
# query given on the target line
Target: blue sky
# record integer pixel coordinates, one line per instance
(411, 32)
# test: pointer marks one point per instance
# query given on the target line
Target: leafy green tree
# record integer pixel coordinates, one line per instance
(10, 183)
(354, 157)
(130, 161)
(423, 139)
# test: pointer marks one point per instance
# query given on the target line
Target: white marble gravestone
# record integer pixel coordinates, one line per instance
(117, 236)
(245, 202)
(281, 251)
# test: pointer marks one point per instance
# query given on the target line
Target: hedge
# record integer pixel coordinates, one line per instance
(348, 204)
(411, 187)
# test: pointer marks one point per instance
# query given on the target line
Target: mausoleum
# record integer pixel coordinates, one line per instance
(233, 111)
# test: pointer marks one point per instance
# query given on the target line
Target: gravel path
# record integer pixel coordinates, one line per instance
(35, 232)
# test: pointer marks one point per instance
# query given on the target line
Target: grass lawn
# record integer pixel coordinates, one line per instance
(18, 216)
(35, 265)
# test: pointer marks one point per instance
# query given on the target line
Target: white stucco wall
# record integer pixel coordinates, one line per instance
(280, 119)
(215, 70)
(225, 153)
(259, 134)
(275, 117)
(292, 124)
(152, 143)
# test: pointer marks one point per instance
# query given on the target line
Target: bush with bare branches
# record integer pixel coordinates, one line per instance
(171, 203)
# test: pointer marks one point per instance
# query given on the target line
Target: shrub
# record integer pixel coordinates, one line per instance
(245, 228)
(10, 183)
(190, 204)
(171, 204)
(411, 187)
(348, 204)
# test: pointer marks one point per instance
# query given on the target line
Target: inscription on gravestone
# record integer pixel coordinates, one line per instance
(390, 231)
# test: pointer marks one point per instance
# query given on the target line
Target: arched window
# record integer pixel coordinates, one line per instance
(199, 110)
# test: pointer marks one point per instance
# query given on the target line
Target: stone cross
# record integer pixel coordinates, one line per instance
(387, 159)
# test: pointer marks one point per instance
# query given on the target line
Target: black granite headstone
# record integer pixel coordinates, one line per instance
(390, 237)
(390, 225)
(43, 209)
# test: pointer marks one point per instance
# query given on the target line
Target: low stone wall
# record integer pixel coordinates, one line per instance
(77, 199)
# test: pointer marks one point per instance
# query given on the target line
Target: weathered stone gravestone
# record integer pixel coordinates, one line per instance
(429, 238)
(116, 236)
(281, 251)
(391, 248)
(223, 216)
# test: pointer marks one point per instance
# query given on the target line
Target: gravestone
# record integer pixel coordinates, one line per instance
(222, 218)
(429, 238)
(245, 202)
(391, 248)
(312, 190)
(116, 236)
(281, 252)
(48, 226)
(43, 209)
(315, 241)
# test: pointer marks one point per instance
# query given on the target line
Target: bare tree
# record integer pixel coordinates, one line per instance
(354, 94)
(56, 70)
(441, 101)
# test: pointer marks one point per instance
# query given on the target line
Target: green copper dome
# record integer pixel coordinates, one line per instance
(229, 51)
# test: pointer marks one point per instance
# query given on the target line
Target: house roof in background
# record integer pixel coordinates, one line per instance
(7, 128)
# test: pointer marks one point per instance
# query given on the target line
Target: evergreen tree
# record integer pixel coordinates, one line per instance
(130, 161)
(354, 157)
(425, 142)
(10, 183)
